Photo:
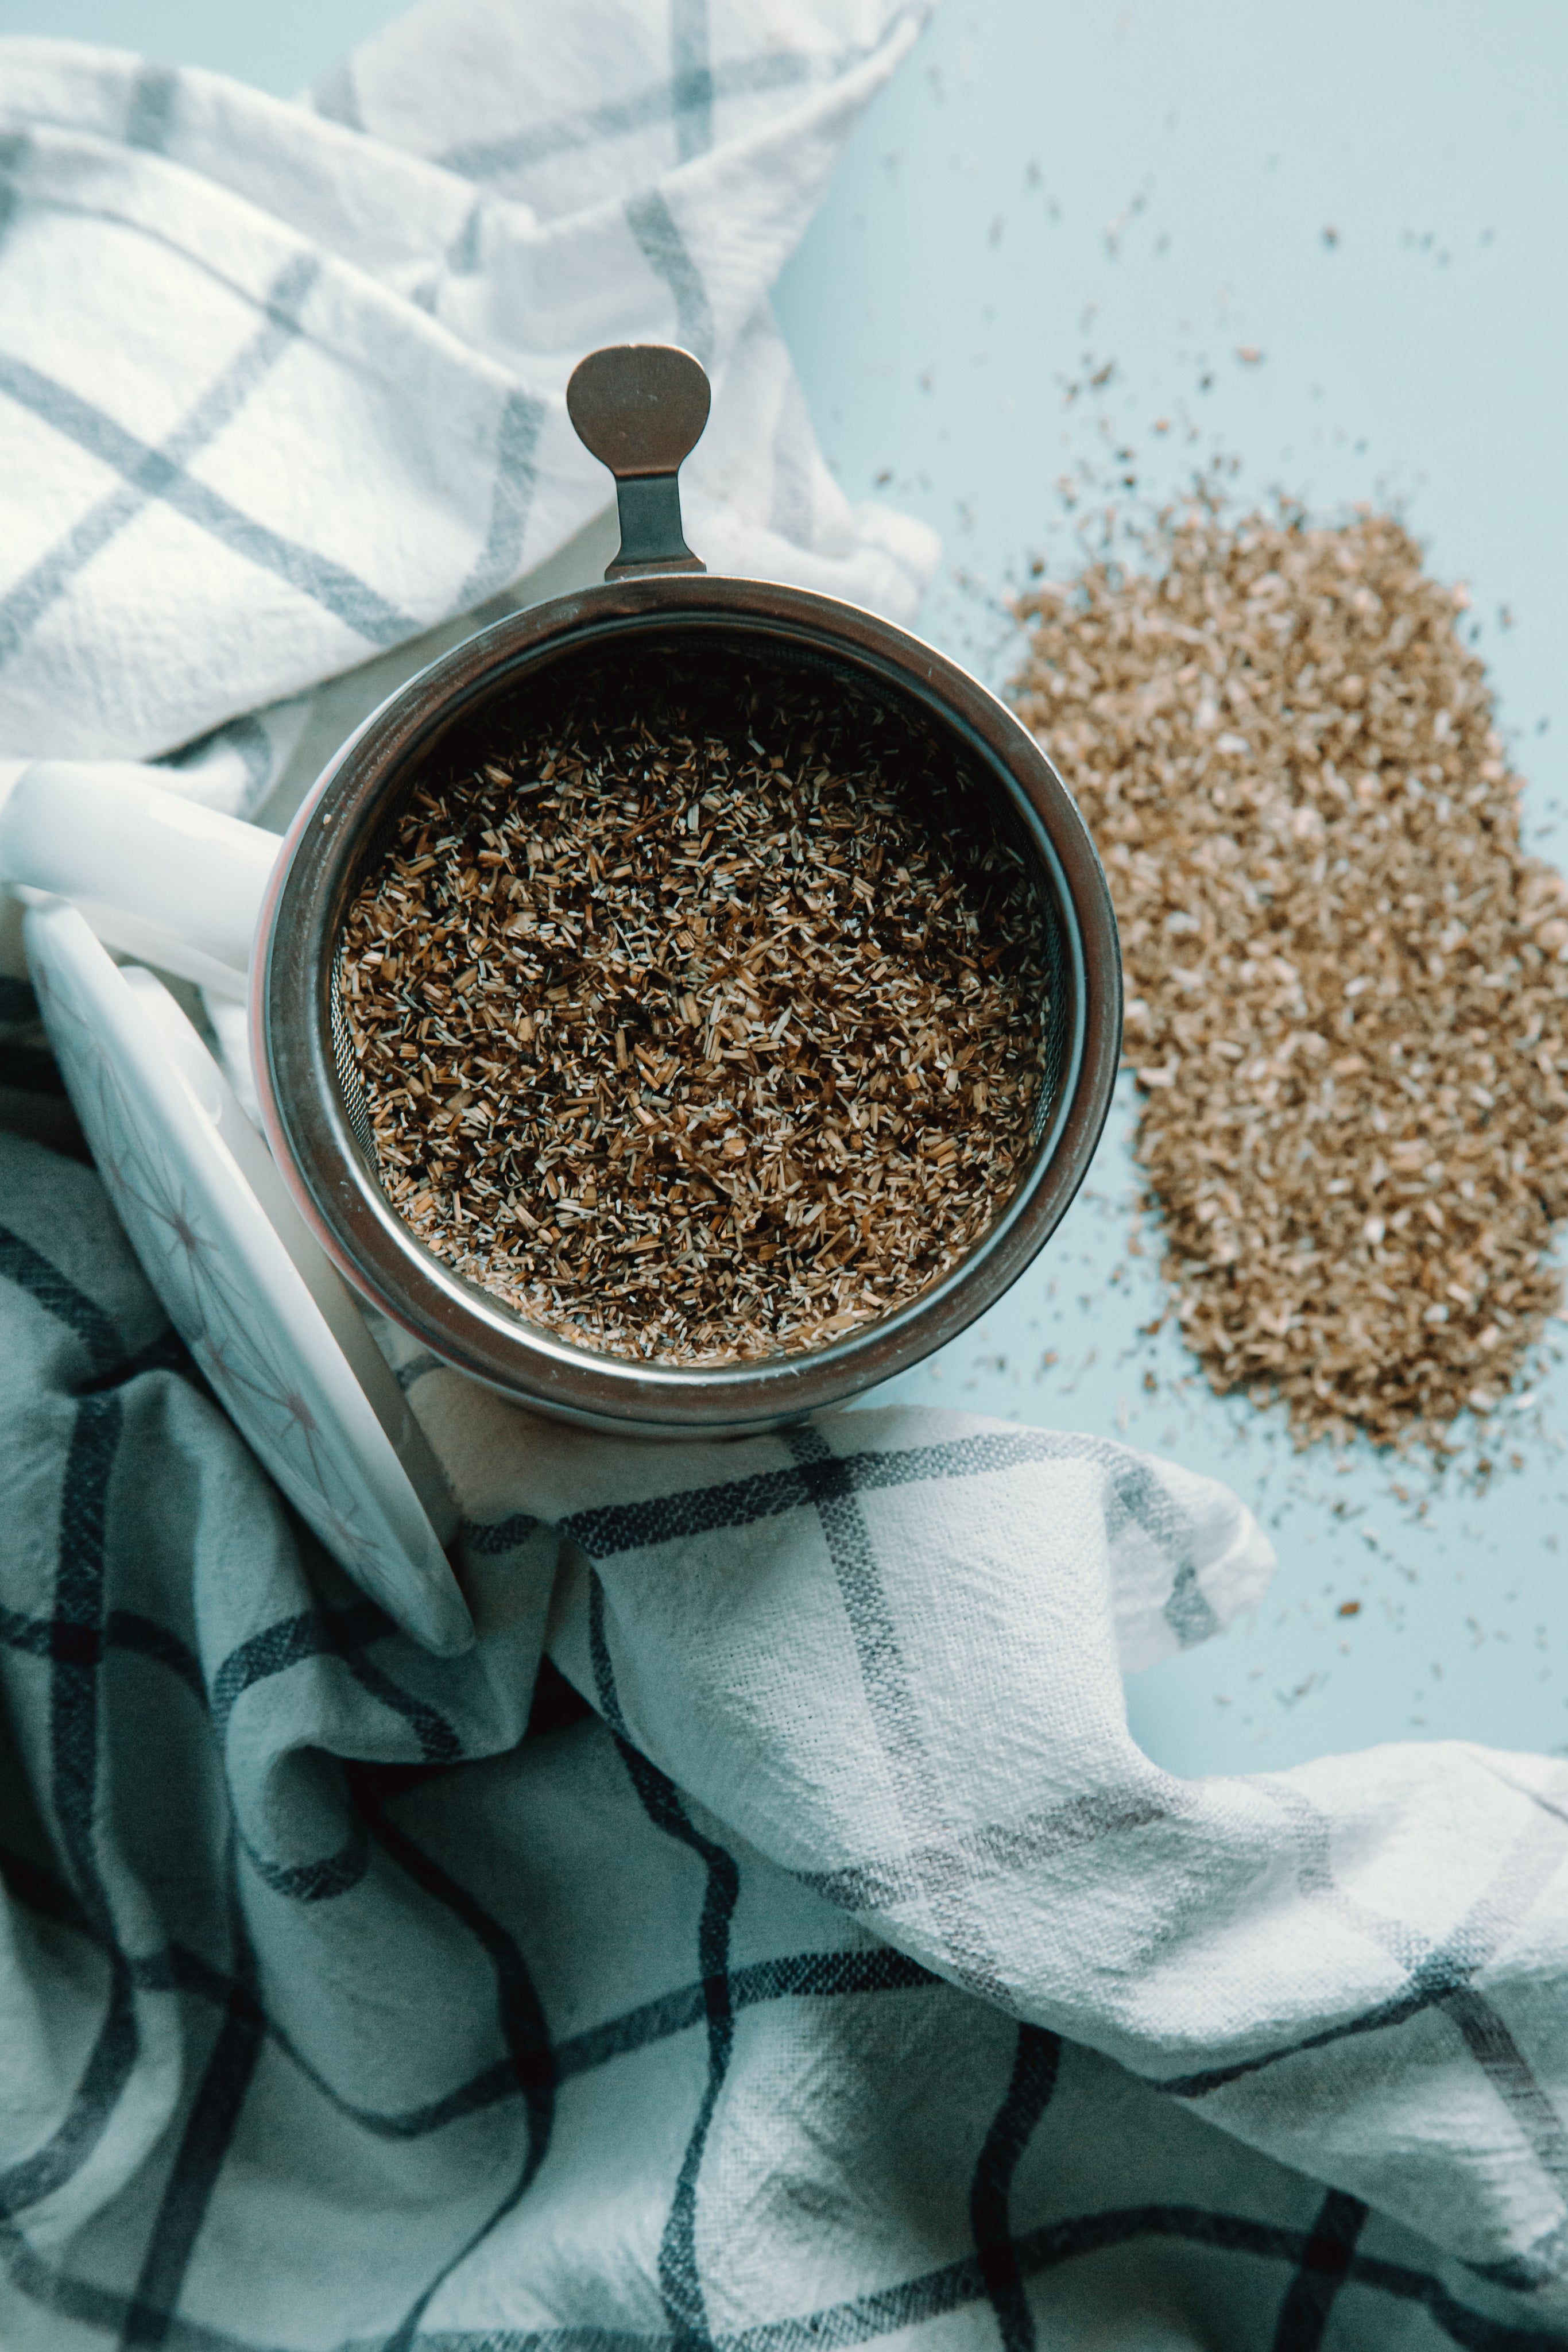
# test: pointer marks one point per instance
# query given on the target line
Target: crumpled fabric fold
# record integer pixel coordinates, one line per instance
(769, 1934)
(304, 365)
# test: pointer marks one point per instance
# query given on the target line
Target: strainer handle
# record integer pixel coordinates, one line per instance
(640, 409)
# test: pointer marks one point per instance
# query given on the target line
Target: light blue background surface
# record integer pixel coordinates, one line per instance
(1044, 190)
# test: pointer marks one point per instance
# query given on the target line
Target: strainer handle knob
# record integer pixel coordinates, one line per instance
(640, 409)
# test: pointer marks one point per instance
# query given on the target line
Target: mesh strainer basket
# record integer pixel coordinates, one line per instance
(640, 408)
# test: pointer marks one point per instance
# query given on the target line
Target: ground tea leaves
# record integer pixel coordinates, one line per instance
(1349, 985)
(700, 1015)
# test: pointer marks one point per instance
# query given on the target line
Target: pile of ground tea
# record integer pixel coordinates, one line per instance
(1349, 985)
(700, 1012)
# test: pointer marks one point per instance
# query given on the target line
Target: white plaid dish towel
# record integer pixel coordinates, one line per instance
(765, 1937)
(303, 366)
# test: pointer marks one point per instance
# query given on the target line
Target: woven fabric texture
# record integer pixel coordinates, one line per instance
(820, 1965)
(304, 365)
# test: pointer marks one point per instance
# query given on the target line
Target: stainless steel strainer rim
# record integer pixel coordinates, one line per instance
(309, 1124)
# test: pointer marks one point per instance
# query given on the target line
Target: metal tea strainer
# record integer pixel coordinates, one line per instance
(640, 408)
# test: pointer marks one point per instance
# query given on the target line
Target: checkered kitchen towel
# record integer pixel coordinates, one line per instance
(822, 1966)
(282, 386)
(802, 1956)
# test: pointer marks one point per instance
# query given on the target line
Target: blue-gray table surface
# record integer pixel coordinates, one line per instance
(1373, 202)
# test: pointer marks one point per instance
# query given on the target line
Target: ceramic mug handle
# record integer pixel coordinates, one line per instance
(157, 877)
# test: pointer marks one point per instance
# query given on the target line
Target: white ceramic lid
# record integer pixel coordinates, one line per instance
(265, 1314)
